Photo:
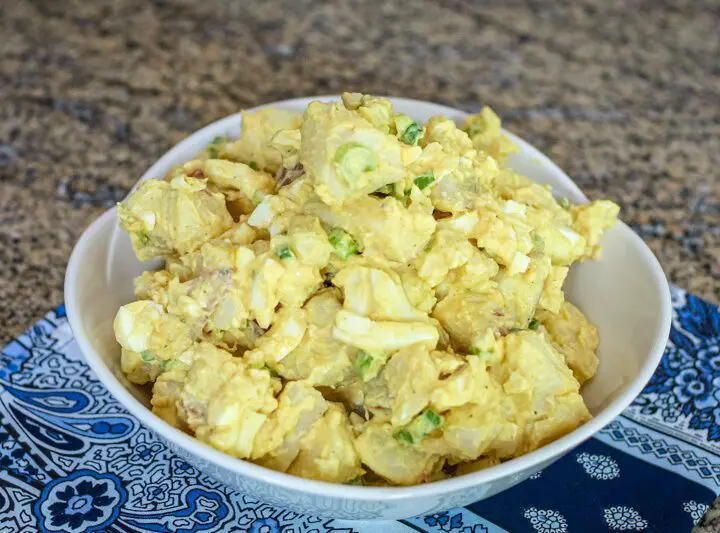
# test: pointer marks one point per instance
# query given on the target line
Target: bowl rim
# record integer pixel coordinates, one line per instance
(189, 444)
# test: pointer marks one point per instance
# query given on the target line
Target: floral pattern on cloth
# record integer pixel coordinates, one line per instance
(696, 510)
(684, 391)
(622, 518)
(84, 500)
(73, 460)
(599, 466)
(546, 520)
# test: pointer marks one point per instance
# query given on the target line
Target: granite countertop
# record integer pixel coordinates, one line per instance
(625, 96)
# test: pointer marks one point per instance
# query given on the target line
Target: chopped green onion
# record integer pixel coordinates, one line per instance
(212, 148)
(284, 252)
(147, 355)
(386, 190)
(538, 243)
(404, 436)
(363, 362)
(344, 244)
(253, 165)
(474, 350)
(408, 131)
(272, 372)
(534, 324)
(565, 203)
(405, 198)
(434, 419)
(425, 424)
(353, 159)
(473, 130)
(412, 134)
(369, 365)
(424, 180)
(420, 427)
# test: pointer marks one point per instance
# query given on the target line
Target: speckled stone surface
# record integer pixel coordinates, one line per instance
(623, 94)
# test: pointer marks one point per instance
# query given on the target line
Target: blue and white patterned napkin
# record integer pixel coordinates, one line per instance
(73, 460)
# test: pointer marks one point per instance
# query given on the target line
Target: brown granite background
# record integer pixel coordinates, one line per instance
(624, 95)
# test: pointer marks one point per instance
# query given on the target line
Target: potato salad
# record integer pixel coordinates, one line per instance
(349, 295)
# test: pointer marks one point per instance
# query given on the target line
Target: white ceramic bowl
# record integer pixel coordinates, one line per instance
(624, 293)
